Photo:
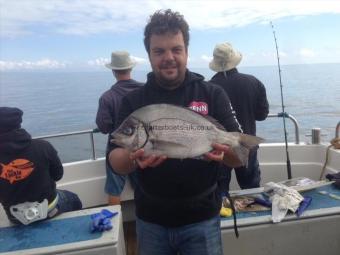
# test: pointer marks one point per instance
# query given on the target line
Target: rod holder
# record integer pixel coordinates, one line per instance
(316, 135)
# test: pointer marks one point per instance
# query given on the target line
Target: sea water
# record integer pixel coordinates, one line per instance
(57, 102)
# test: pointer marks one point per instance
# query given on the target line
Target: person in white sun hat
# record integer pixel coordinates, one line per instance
(249, 101)
(121, 60)
(109, 103)
(225, 58)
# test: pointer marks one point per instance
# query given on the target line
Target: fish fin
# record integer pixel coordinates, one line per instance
(162, 146)
(161, 143)
(214, 121)
(249, 141)
(242, 154)
(209, 118)
(246, 142)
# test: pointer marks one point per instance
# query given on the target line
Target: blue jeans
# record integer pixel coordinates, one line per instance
(247, 177)
(114, 183)
(202, 238)
(68, 201)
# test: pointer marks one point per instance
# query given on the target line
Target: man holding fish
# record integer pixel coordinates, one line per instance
(174, 150)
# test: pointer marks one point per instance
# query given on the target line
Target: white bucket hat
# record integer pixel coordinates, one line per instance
(120, 60)
(225, 58)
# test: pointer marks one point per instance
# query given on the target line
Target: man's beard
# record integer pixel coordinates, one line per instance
(167, 83)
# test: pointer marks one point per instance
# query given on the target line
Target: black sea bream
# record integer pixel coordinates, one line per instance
(178, 132)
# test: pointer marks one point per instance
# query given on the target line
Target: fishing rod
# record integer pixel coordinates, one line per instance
(284, 114)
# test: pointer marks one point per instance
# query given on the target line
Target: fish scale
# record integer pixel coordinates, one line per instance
(191, 143)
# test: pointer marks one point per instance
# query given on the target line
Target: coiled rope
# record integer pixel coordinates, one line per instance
(335, 142)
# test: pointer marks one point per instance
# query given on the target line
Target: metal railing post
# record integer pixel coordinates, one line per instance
(295, 122)
(94, 156)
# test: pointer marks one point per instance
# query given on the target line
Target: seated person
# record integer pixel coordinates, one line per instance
(29, 170)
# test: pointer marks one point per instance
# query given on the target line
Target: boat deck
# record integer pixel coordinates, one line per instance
(321, 204)
(318, 227)
(68, 233)
(316, 231)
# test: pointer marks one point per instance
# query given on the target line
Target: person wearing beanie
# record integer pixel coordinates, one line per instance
(10, 118)
(29, 170)
(249, 101)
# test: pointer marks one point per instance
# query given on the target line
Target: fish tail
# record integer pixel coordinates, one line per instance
(242, 154)
(245, 143)
(249, 141)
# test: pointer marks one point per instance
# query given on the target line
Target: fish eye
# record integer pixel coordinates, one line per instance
(128, 131)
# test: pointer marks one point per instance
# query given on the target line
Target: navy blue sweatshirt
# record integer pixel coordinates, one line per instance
(29, 169)
(247, 95)
(109, 104)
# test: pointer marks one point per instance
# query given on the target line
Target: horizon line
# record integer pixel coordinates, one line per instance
(82, 70)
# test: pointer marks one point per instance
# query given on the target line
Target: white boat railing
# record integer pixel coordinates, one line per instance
(91, 132)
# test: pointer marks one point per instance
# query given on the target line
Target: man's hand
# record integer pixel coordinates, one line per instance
(223, 153)
(124, 161)
(215, 155)
(146, 161)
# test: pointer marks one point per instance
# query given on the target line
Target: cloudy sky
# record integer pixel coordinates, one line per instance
(80, 34)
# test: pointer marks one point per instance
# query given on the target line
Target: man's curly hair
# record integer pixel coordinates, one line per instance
(162, 22)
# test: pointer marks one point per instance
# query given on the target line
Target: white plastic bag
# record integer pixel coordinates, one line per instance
(283, 199)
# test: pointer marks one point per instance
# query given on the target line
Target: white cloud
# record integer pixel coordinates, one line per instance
(140, 60)
(31, 65)
(83, 17)
(307, 53)
(206, 58)
(102, 61)
(283, 54)
(98, 62)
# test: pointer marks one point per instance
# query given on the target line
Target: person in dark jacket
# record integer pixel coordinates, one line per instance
(107, 115)
(177, 201)
(249, 101)
(29, 170)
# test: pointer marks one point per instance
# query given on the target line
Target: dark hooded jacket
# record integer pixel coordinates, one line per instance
(109, 104)
(175, 180)
(29, 169)
(247, 95)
